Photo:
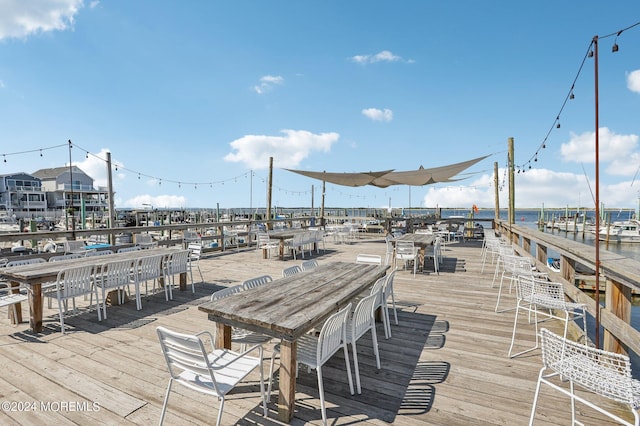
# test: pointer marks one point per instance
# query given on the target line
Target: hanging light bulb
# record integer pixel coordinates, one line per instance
(40, 153)
(544, 146)
(572, 96)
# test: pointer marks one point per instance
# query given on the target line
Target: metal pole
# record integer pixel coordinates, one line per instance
(496, 191)
(512, 195)
(112, 210)
(73, 216)
(597, 213)
(269, 186)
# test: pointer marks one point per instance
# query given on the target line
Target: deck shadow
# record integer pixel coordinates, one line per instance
(413, 381)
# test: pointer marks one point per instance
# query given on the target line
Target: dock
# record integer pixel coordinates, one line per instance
(446, 362)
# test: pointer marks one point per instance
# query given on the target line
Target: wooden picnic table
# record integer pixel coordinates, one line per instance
(34, 275)
(289, 307)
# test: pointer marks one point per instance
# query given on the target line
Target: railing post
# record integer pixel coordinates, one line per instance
(618, 302)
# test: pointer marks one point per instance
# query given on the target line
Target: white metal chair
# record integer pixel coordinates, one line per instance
(195, 252)
(515, 266)
(210, 371)
(607, 374)
(292, 270)
(387, 292)
(256, 282)
(11, 297)
(246, 337)
(296, 243)
(113, 275)
(145, 241)
(129, 249)
(378, 290)
(20, 262)
(65, 256)
(407, 252)
(148, 268)
(390, 249)
(73, 246)
(95, 252)
(371, 259)
(175, 264)
(543, 297)
(264, 242)
(309, 264)
(362, 321)
(71, 283)
(316, 351)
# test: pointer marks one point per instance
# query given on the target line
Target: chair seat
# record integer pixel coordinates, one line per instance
(12, 299)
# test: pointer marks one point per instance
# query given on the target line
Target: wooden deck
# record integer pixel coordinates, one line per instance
(445, 364)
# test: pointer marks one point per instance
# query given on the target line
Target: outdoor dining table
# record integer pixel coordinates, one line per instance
(422, 241)
(285, 234)
(289, 307)
(34, 275)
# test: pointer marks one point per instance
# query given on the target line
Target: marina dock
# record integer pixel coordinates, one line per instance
(446, 362)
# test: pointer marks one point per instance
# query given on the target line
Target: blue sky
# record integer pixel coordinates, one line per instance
(192, 98)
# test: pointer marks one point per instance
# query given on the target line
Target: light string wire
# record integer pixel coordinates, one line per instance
(570, 95)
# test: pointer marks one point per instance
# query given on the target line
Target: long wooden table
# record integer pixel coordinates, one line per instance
(289, 307)
(34, 275)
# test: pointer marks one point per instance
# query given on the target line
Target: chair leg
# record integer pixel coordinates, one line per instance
(321, 393)
(356, 369)
(166, 399)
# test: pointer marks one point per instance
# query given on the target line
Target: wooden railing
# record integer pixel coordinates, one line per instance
(618, 274)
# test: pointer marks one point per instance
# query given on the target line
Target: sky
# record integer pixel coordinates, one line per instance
(193, 98)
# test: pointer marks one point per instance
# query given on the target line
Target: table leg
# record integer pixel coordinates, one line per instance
(35, 308)
(18, 317)
(287, 397)
(281, 250)
(223, 336)
(183, 281)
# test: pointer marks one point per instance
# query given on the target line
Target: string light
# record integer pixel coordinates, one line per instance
(571, 95)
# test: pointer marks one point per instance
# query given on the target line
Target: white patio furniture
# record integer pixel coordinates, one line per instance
(265, 243)
(195, 252)
(309, 264)
(10, 297)
(287, 272)
(358, 324)
(148, 268)
(117, 275)
(210, 371)
(129, 249)
(603, 373)
(546, 298)
(72, 283)
(515, 266)
(372, 259)
(257, 281)
(175, 264)
(390, 249)
(316, 351)
(407, 253)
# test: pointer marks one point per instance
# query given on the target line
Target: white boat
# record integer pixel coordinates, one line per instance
(8, 224)
(627, 231)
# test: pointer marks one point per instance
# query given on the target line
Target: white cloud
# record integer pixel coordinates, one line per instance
(157, 201)
(287, 150)
(633, 81)
(19, 18)
(378, 114)
(535, 188)
(383, 56)
(267, 82)
(95, 165)
(613, 147)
